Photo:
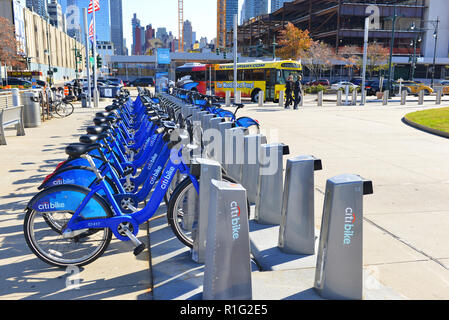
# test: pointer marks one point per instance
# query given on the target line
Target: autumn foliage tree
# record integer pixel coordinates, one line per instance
(294, 43)
(318, 58)
(9, 45)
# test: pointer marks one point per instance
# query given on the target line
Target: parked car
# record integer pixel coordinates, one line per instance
(343, 84)
(323, 82)
(356, 80)
(142, 82)
(413, 87)
(445, 83)
(373, 86)
(116, 81)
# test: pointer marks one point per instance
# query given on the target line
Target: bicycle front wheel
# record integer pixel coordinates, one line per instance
(43, 236)
(64, 109)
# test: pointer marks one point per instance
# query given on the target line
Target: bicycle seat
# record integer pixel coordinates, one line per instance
(92, 138)
(169, 124)
(97, 129)
(111, 108)
(238, 105)
(75, 150)
(104, 114)
(99, 121)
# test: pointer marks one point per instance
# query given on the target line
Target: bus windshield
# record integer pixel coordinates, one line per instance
(282, 75)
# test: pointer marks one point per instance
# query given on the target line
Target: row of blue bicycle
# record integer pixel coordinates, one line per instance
(117, 177)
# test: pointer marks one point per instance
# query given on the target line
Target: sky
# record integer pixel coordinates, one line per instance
(164, 13)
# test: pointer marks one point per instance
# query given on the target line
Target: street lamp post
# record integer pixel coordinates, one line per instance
(390, 64)
(435, 35)
(49, 72)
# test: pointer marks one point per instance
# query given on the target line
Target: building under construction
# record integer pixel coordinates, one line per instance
(341, 22)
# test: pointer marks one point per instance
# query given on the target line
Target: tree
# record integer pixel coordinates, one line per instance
(350, 55)
(293, 42)
(377, 58)
(318, 58)
(9, 45)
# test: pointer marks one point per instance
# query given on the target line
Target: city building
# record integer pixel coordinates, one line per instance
(135, 23)
(75, 20)
(232, 8)
(55, 14)
(117, 25)
(187, 35)
(105, 49)
(253, 8)
(47, 47)
(38, 6)
(277, 4)
(341, 23)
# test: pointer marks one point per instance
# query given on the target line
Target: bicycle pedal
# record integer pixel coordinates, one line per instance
(139, 249)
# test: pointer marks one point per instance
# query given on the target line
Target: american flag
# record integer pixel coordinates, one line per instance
(91, 30)
(93, 3)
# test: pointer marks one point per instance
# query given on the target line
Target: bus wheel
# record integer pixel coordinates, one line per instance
(255, 96)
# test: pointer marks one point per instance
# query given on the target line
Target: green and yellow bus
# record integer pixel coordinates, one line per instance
(252, 77)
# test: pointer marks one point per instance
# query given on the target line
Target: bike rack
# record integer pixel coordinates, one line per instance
(209, 169)
(297, 229)
(250, 167)
(270, 183)
(339, 268)
(234, 152)
(227, 273)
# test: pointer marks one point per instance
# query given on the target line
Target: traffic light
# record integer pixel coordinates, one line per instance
(217, 50)
(99, 62)
(224, 55)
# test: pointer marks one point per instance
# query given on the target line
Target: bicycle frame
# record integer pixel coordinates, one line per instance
(77, 222)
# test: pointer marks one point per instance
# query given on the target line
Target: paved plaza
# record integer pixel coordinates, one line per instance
(406, 255)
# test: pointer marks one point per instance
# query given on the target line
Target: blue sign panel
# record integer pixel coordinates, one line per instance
(163, 56)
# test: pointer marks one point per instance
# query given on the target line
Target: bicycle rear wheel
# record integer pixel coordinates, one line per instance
(64, 109)
(184, 207)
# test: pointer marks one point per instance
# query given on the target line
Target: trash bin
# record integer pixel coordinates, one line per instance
(84, 100)
(31, 109)
(109, 91)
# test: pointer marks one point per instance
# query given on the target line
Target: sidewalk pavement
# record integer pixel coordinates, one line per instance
(24, 163)
(405, 221)
(405, 231)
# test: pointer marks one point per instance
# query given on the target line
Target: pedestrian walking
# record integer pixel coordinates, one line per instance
(297, 92)
(288, 92)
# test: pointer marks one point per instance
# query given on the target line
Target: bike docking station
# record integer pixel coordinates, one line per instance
(339, 268)
(297, 259)
(227, 273)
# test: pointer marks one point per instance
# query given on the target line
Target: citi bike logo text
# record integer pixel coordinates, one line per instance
(349, 226)
(167, 178)
(155, 175)
(50, 205)
(235, 220)
(152, 161)
(61, 181)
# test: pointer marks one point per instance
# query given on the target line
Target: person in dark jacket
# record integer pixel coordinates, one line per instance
(297, 91)
(288, 92)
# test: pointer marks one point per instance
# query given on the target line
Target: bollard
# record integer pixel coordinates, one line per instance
(234, 149)
(270, 183)
(15, 97)
(251, 163)
(227, 98)
(261, 98)
(438, 97)
(385, 97)
(421, 97)
(354, 97)
(297, 230)
(339, 94)
(281, 98)
(209, 169)
(339, 268)
(347, 95)
(238, 97)
(320, 98)
(403, 97)
(227, 271)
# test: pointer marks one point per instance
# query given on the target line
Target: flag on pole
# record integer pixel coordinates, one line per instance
(92, 4)
(91, 30)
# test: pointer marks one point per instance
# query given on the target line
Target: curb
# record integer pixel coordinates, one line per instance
(425, 128)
